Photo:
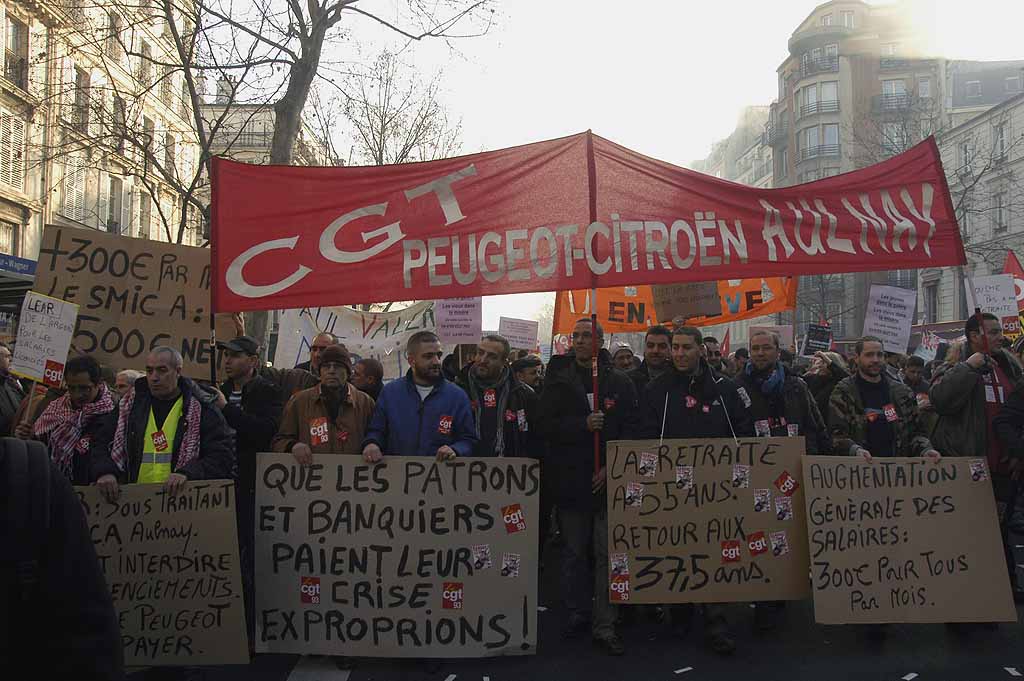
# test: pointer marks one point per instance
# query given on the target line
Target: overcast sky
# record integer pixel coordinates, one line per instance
(663, 77)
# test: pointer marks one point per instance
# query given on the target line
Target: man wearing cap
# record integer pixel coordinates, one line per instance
(527, 372)
(622, 358)
(252, 406)
(320, 343)
(329, 418)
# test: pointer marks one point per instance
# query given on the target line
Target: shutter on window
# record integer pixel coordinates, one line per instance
(6, 159)
(102, 201)
(37, 59)
(126, 209)
(17, 147)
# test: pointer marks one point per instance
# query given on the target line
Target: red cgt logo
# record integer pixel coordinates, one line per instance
(618, 588)
(515, 520)
(786, 484)
(444, 426)
(53, 373)
(309, 590)
(731, 551)
(757, 543)
(451, 596)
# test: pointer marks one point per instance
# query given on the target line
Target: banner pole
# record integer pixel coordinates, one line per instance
(213, 346)
(593, 371)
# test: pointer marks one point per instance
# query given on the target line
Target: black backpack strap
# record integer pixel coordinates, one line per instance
(28, 465)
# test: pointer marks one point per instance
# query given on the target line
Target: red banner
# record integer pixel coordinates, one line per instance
(572, 213)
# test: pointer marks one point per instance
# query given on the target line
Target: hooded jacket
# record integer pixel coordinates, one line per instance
(518, 423)
(958, 397)
(791, 411)
(405, 425)
(703, 405)
(848, 423)
(216, 457)
(564, 408)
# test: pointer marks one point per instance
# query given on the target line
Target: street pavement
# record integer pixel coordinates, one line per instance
(798, 650)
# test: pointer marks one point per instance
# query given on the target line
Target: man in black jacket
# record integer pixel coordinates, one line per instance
(657, 358)
(252, 406)
(11, 393)
(168, 431)
(702, 404)
(569, 420)
(368, 376)
(504, 409)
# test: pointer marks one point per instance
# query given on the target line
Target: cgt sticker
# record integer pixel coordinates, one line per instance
(514, 519)
(444, 425)
(309, 590)
(318, 431)
(451, 596)
(731, 551)
(787, 484)
(618, 588)
(757, 543)
(53, 373)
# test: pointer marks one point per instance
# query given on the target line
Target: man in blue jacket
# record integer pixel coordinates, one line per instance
(422, 414)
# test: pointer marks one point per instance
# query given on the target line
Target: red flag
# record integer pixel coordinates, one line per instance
(725, 343)
(574, 213)
(1013, 267)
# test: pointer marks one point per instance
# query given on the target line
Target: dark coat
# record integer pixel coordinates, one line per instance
(563, 415)
(519, 422)
(849, 425)
(795, 404)
(216, 458)
(11, 395)
(68, 630)
(100, 432)
(821, 387)
(726, 413)
(255, 422)
(641, 377)
(1009, 424)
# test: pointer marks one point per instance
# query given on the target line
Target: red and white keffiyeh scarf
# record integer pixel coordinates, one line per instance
(189, 443)
(61, 424)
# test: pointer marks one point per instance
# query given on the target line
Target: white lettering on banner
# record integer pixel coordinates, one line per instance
(521, 254)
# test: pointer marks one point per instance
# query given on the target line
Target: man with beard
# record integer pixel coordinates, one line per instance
(504, 409)
(527, 371)
(657, 358)
(570, 415)
(702, 404)
(714, 353)
(422, 414)
(873, 416)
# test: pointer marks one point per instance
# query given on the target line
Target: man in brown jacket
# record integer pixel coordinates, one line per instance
(329, 418)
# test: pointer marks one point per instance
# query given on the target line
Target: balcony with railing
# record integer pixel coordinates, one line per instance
(819, 151)
(16, 69)
(253, 139)
(774, 134)
(811, 67)
(892, 103)
(814, 108)
(815, 36)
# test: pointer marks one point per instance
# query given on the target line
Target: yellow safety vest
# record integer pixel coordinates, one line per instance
(156, 463)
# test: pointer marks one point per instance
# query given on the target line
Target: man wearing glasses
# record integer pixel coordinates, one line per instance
(320, 343)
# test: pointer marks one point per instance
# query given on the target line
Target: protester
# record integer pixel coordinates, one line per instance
(505, 410)
(329, 418)
(968, 395)
(79, 426)
(568, 421)
(124, 381)
(826, 371)
(321, 341)
(894, 366)
(527, 371)
(368, 376)
(168, 431)
(11, 392)
(57, 619)
(913, 376)
(741, 357)
(622, 358)
(713, 352)
(691, 400)
(873, 416)
(657, 358)
(422, 414)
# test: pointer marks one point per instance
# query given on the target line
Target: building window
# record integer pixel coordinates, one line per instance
(75, 169)
(846, 19)
(832, 50)
(145, 64)
(80, 119)
(8, 237)
(826, 20)
(16, 54)
(1013, 84)
(974, 88)
(170, 154)
(148, 133)
(811, 141)
(830, 91)
(966, 156)
(963, 214)
(113, 39)
(119, 123)
(784, 164)
(145, 213)
(999, 141)
(12, 151)
(931, 303)
(830, 172)
(924, 88)
(999, 212)
(831, 135)
(890, 49)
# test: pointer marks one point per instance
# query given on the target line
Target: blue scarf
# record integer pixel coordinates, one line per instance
(772, 384)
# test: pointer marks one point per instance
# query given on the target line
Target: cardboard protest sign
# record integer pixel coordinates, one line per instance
(785, 333)
(135, 295)
(44, 337)
(695, 299)
(890, 315)
(171, 563)
(520, 333)
(996, 293)
(705, 521)
(818, 339)
(381, 335)
(405, 558)
(905, 540)
(459, 320)
(929, 346)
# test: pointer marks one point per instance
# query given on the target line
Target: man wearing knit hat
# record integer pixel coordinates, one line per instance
(329, 418)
